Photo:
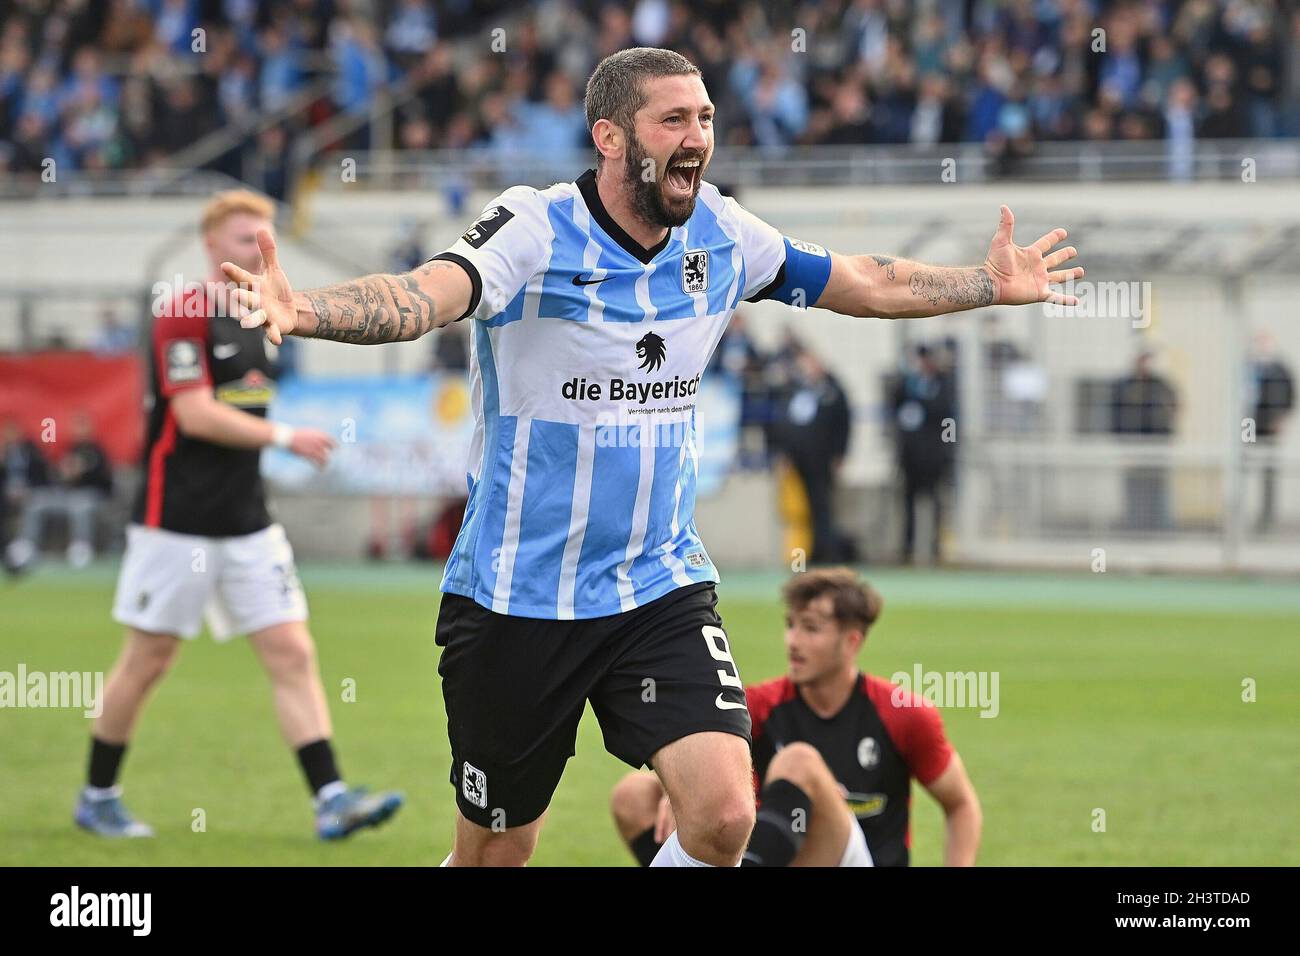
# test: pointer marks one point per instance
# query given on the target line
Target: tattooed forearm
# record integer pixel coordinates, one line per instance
(373, 309)
(379, 308)
(890, 287)
(957, 287)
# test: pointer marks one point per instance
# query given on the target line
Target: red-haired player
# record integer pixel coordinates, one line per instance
(203, 546)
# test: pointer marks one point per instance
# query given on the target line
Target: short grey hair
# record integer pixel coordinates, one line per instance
(616, 89)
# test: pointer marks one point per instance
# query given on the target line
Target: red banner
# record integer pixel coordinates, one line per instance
(44, 392)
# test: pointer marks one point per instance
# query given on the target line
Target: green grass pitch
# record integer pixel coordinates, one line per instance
(1119, 694)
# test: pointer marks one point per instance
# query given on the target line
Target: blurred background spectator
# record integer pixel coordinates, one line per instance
(409, 250)
(25, 471)
(925, 408)
(1270, 396)
(812, 432)
(114, 335)
(84, 482)
(1144, 406)
(451, 349)
(739, 359)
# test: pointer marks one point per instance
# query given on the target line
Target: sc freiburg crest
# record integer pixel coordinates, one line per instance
(651, 351)
(695, 270)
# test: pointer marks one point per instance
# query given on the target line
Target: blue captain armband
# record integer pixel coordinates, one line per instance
(801, 278)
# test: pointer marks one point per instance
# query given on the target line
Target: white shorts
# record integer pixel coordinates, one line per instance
(170, 582)
(855, 851)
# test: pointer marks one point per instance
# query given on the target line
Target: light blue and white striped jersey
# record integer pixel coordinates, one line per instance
(587, 353)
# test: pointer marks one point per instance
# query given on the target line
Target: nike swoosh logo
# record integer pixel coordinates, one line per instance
(224, 351)
(577, 281)
(728, 704)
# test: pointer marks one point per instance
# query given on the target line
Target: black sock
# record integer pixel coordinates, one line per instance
(317, 759)
(105, 759)
(644, 847)
(781, 826)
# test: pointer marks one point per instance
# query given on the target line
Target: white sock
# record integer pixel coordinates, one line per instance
(330, 790)
(103, 793)
(672, 854)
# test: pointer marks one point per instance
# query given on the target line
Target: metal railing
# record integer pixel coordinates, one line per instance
(1268, 160)
(486, 168)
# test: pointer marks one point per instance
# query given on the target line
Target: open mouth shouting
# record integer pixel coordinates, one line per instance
(682, 180)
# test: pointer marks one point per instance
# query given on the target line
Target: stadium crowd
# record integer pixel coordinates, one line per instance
(124, 84)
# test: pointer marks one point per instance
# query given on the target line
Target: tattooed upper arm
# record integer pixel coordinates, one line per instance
(447, 285)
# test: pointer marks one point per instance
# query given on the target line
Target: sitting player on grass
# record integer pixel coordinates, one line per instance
(835, 750)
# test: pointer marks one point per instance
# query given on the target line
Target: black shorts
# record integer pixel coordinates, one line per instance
(515, 688)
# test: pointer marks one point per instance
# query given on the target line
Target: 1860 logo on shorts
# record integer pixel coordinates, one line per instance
(473, 784)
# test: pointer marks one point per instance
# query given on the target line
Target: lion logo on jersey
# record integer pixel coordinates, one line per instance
(651, 351)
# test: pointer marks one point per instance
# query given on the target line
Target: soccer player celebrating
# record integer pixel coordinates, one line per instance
(834, 750)
(201, 539)
(578, 573)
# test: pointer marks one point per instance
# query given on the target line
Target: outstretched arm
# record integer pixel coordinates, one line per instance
(891, 288)
(366, 311)
(384, 308)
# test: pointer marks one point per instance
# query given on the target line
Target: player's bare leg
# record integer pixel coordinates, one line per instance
(828, 827)
(144, 659)
(483, 846)
(634, 803)
(709, 779)
(289, 657)
(288, 654)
